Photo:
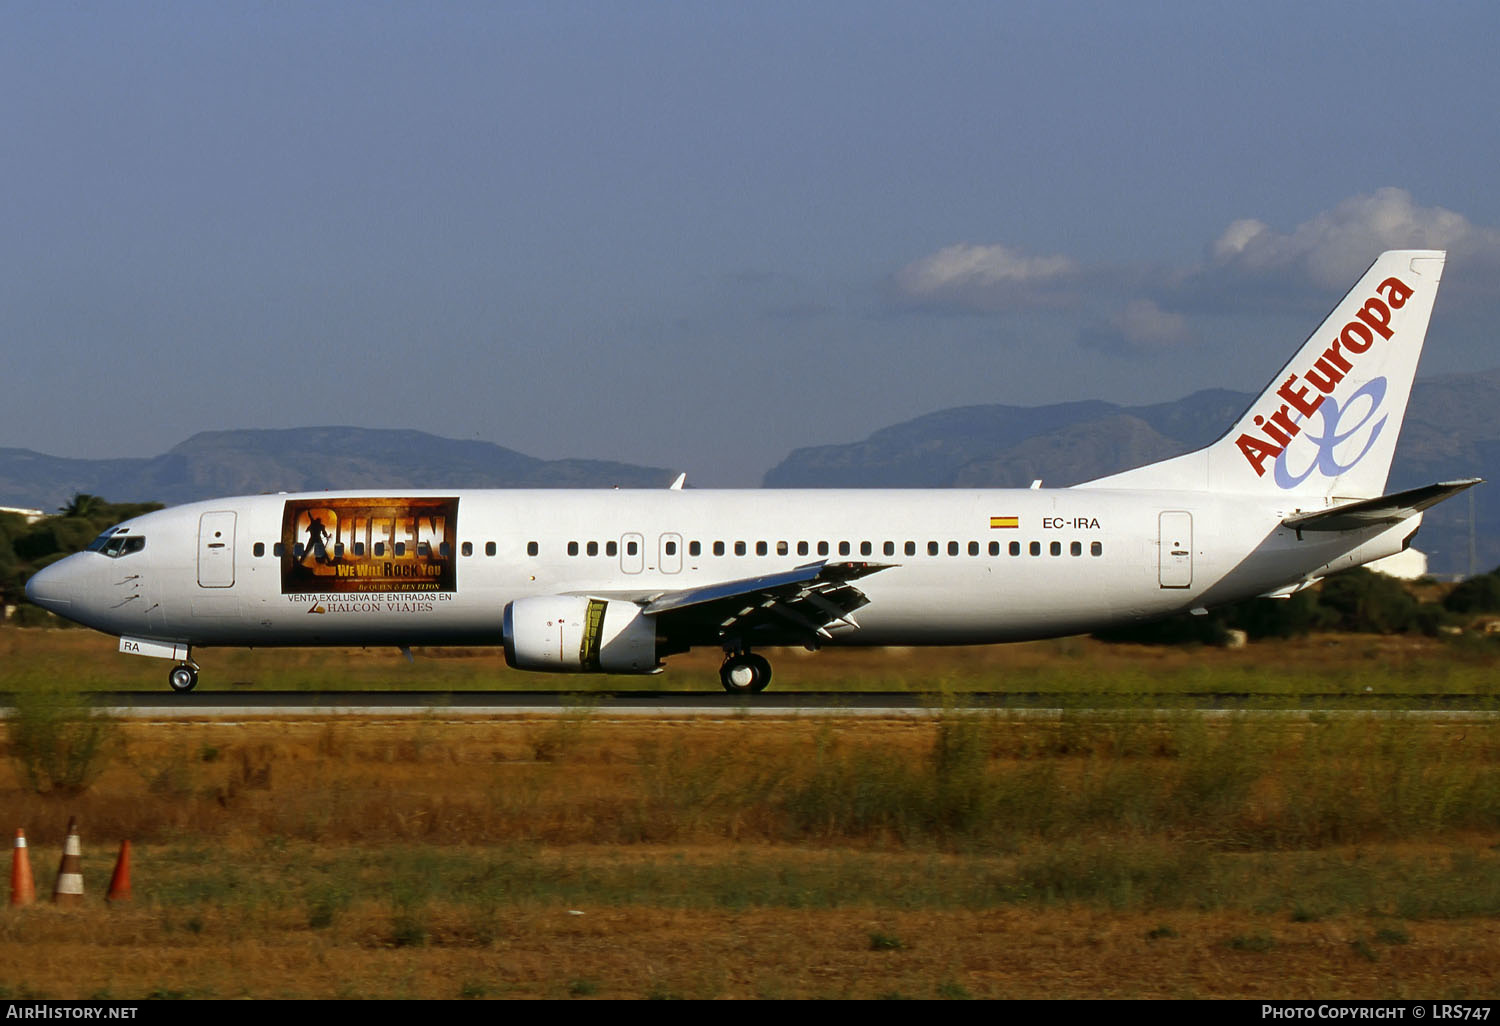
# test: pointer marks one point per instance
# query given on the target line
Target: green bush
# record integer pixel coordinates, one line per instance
(58, 741)
(1363, 600)
(1479, 594)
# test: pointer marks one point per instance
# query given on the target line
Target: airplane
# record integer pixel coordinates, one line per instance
(617, 581)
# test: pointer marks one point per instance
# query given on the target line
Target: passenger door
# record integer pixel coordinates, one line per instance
(216, 550)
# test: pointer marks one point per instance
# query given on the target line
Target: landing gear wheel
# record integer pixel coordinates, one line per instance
(183, 678)
(745, 674)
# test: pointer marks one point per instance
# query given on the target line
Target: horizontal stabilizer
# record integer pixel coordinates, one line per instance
(1384, 509)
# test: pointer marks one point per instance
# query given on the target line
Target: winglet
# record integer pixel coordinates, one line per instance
(676, 486)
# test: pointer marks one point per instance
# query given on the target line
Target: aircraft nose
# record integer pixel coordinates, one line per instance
(56, 587)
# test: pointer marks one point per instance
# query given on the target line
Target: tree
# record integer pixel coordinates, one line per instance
(81, 505)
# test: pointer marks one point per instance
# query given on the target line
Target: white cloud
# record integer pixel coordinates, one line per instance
(1251, 268)
(1141, 327)
(1332, 248)
(985, 278)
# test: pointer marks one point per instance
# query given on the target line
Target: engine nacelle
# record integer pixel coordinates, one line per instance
(575, 634)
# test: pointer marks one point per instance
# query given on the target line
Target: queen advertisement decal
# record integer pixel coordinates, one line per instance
(369, 545)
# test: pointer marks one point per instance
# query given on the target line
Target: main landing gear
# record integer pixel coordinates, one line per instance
(745, 673)
(183, 678)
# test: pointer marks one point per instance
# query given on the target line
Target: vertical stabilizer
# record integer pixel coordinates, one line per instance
(1327, 424)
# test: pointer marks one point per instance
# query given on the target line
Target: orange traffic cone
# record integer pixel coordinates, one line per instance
(119, 883)
(69, 887)
(22, 886)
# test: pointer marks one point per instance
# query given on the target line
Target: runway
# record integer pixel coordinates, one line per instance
(219, 705)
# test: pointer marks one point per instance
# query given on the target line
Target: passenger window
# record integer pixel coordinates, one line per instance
(760, 548)
(401, 548)
(933, 548)
(489, 548)
(424, 549)
(1076, 549)
(359, 548)
(1015, 548)
(890, 548)
(994, 548)
(611, 548)
(1056, 548)
(593, 549)
(631, 548)
(1096, 549)
(718, 548)
(695, 548)
(1035, 548)
(572, 548)
(671, 548)
(467, 549)
(338, 550)
(278, 550)
(739, 548)
(953, 548)
(911, 548)
(843, 548)
(973, 548)
(782, 548)
(822, 548)
(802, 548)
(260, 548)
(532, 548)
(297, 551)
(865, 548)
(379, 549)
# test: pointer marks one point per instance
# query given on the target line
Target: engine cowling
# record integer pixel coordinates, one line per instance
(576, 634)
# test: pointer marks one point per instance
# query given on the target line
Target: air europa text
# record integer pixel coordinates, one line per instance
(1372, 319)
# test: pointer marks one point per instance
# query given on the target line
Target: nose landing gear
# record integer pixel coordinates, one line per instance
(183, 678)
(745, 673)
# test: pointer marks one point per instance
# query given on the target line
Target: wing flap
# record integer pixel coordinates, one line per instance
(796, 605)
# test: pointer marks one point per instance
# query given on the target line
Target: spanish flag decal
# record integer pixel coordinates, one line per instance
(1005, 522)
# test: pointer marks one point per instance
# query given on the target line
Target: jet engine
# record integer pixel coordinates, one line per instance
(577, 634)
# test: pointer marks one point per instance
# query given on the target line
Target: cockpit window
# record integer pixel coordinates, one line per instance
(97, 545)
(115, 544)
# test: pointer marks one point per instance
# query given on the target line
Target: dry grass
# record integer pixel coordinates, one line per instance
(953, 857)
(537, 858)
(653, 952)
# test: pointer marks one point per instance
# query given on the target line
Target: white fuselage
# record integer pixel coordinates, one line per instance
(961, 567)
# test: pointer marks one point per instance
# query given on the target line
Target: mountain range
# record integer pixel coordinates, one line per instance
(1450, 432)
(216, 463)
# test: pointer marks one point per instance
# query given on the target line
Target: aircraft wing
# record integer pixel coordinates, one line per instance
(795, 606)
(1384, 509)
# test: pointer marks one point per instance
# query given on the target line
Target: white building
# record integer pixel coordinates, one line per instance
(31, 515)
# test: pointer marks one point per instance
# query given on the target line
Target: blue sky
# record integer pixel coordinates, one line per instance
(697, 235)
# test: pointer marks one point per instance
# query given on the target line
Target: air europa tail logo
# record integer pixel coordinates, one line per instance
(1340, 424)
(1371, 320)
